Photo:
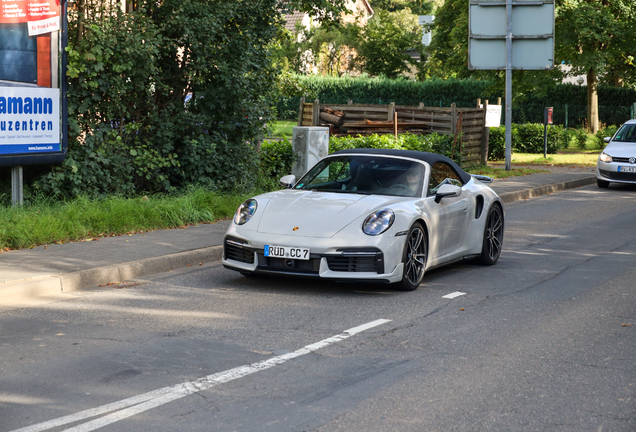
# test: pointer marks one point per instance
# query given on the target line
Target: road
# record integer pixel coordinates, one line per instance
(542, 341)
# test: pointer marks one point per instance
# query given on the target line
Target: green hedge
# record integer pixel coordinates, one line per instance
(434, 92)
(614, 102)
(526, 138)
(277, 156)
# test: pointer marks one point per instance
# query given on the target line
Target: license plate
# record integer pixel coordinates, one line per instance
(286, 252)
(627, 169)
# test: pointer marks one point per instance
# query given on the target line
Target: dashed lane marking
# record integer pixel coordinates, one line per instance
(453, 295)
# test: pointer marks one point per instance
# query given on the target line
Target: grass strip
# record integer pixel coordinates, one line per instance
(47, 221)
(579, 158)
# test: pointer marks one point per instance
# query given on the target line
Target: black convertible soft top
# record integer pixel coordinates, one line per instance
(429, 158)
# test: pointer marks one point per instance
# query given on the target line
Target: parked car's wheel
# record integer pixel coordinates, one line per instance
(414, 258)
(493, 236)
(602, 183)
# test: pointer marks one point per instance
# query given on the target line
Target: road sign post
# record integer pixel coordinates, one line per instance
(507, 35)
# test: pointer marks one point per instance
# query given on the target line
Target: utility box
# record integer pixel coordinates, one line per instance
(309, 144)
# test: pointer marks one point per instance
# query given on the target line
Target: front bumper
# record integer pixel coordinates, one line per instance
(609, 172)
(363, 263)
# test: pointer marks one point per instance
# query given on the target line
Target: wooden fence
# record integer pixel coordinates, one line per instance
(466, 124)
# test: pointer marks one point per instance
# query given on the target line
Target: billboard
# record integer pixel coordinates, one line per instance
(32, 41)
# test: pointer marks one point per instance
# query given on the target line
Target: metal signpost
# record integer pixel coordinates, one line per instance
(510, 35)
(547, 120)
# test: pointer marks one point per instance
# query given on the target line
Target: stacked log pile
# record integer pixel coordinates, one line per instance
(336, 122)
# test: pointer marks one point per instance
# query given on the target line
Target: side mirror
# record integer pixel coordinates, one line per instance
(447, 190)
(607, 139)
(482, 178)
(288, 181)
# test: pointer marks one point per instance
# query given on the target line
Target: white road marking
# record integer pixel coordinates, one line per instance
(453, 295)
(134, 405)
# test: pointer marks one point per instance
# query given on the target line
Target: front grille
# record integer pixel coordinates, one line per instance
(310, 266)
(613, 175)
(352, 261)
(620, 159)
(235, 250)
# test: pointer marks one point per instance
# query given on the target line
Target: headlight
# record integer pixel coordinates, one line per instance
(245, 212)
(606, 158)
(378, 222)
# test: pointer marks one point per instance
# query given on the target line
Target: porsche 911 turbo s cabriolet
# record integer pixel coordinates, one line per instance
(368, 215)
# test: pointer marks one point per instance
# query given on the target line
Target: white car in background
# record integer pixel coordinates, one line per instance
(368, 215)
(617, 162)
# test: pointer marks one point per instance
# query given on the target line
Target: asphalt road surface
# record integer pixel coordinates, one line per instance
(542, 341)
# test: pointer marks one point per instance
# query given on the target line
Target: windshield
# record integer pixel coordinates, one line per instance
(627, 133)
(365, 175)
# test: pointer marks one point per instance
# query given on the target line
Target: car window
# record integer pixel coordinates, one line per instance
(365, 175)
(442, 173)
(627, 133)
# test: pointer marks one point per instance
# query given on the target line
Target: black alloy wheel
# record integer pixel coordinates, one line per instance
(414, 258)
(493, 236)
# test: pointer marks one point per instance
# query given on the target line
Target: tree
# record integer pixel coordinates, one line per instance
(383, 44)
(596, 37)
(418, 7)
(130, 75)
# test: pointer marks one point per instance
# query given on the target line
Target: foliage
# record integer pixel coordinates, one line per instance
(418, 7)
(277, 157)
(607, 131)
(276, 161)
(383, 43)
(595, 37)
(366, 90)
(581, 135)
(526, 138)
(592, 34)
(130, 75)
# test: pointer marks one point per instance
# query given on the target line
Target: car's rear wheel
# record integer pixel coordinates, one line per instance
(493, 236)
(414, 258)
(602, 183)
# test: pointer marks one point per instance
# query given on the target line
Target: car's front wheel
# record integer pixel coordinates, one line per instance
(493, 236)
(602, 183)
(414, 258)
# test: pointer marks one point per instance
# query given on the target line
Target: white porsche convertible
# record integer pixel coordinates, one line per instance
(368, 215)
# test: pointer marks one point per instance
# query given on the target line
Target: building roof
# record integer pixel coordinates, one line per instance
(292, 19)
(295, 17)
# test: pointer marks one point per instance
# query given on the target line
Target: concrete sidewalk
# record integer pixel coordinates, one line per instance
(46, 273)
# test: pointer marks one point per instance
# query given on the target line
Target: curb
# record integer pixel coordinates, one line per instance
(508, 197)
(21, 292)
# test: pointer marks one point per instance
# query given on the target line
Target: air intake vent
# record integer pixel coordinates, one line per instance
(236, 251)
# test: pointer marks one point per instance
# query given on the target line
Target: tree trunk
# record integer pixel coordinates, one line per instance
(80, 20)
(592, 101)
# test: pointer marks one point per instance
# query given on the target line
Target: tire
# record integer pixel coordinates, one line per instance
(602, 183)
(493, 236)
(414, 258)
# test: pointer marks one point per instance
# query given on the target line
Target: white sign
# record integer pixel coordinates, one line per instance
(44, 26)
(493, 115)
(29, 120)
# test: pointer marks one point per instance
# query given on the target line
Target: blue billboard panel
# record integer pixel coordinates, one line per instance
(29, 120)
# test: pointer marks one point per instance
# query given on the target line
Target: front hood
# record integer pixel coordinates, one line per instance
(620, 149)
(317, 214)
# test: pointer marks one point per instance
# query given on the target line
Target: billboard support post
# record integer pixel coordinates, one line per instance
(508, 84)
(17, 184)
